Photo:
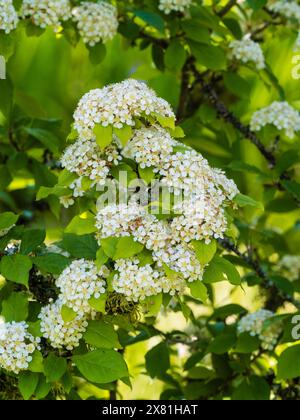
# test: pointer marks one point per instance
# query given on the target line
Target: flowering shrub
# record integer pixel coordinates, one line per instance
(149, 200)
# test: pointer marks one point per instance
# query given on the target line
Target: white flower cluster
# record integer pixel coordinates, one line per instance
(280, 114)
(137, 283)
(248, 51)
(85, 159)
(288, 9)
(181, 171)
(150, 147)
(118, 105)
(45, 13)
(181, 259)
(202, 219)
(168, 6)
(96, 22)
(254, 324)
(8, 16)
(16, 346)
(79, 282)
(61, 334)
(290, 264)
(132, 220)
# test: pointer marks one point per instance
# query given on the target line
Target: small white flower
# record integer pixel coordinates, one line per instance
(118, 105)
(79, 282)
(8, 16)
(16, 346)
(168, 6)
(288, 9)
(137, 283)
(254, 324)
(290, 264)
(44, 13)
(280, 114)
(96, 22)
(247, 51)
(61, 334)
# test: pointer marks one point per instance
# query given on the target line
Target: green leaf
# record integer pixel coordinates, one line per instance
(218, 268)
(120, 248)
(27, 384)
(101, 366)
(16, 268)
(51, 263)
(205, 252)
(288, 363)
(166, 122)
(68, 314)
(101, 334)
(252, 388)
(153, 305)
(247, 344)
(243, 201)
(237, 85)
(15, 308)
(97, 53)
(101, 258)
(158, 360)
(81, 226)
(31, 239)
(66, 178)
(47, 138)
(43, 388)
(124, 134)
(147, 174)
(104, 135)
(7, 220)
(152, 19)
(83, 246)
(198, 290)
(195, 31)
(58, 191)
(293, 187)
(222, 344)
(209, 56)
(98, 304)
(36, 365)
(256, 4)
(175, 55)
(54, 367)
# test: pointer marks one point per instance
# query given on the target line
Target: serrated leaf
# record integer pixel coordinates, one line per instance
(104, 135)
(101, 334)
(205, 252)
(54, 367)
(101, 366)
(16, 268)
(67, 314)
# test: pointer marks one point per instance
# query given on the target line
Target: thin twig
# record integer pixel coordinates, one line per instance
(227, 8)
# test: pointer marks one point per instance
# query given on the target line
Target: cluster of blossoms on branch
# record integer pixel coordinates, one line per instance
(247, 51)
(167, 261)
(96, 22)
(16, 346)
(169, 6)
(44, 13)
(280, 114)
(289, 265)
(8, 16)
(289, 9)
(255, 324)
(183, 172)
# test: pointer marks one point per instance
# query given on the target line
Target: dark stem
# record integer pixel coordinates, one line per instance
(227, 8)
